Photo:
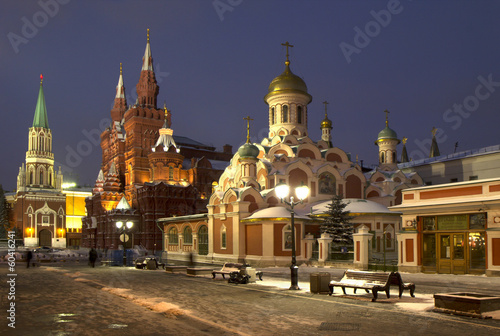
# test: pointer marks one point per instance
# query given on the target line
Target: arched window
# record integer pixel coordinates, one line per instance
(393, 157)
(50, 178)
(223, 237)
(188, 235)
(173, 236)
(41, 177)
(299, 114)
(272, 116)
(284, 113)
(170, 173)
(31, 177)
(382, 157)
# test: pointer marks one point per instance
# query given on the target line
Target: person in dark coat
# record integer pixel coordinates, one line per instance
(29, 256)
(92, 257)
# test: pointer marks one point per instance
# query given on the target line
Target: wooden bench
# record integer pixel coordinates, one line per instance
(398, 281)
(229, 268)
(374, 281)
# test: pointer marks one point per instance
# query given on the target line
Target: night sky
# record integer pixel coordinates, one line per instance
(421, 60)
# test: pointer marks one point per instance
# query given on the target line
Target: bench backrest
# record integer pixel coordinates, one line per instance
(231, 267)
(366, 277)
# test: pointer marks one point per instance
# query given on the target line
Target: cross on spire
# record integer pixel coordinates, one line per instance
(248, 119)
(434, 130)
(121, 69)
(387, 118)
(41, 79)
(326, 103)
(287, 45)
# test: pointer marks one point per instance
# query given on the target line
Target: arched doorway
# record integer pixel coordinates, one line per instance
(203, 240)
(45, 238)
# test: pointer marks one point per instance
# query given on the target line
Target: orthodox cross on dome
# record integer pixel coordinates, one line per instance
(386, 118)
(326, 103)
(287, 45)
(405, 139)
(248, 119)
(434, 130)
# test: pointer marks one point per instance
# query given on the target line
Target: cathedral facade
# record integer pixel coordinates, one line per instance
(247, 221)
(40, 204)
(146, 172)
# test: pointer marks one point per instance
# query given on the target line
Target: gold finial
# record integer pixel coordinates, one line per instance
(386, 118)
(248, 119)
(287, 45)
(148, 35)
(434, 130)
(326, 103)
(41, 79)
(121, 72)
(405, 139)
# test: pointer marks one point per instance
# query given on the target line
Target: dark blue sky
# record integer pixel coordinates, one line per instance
(214, 68)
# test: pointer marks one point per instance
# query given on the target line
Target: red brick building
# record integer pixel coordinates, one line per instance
(157, 173)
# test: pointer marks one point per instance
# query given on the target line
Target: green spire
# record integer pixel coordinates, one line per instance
(40, 119)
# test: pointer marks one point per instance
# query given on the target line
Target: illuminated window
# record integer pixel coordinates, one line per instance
(170, 173)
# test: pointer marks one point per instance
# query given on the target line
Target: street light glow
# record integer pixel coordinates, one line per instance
(302, 192)
(282, 190)
(119, 225)
(129, 225)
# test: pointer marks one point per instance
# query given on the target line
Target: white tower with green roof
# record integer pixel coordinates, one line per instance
(39, 171)
(387, 142)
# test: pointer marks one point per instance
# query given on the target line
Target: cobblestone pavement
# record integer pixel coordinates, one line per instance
(72, 299)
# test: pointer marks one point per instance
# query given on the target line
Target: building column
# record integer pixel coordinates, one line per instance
(361, 247)
(407, 251)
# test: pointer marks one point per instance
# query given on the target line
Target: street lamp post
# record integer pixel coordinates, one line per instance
(282, 191)
(123, 228)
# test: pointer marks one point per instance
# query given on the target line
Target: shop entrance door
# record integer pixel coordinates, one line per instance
(452, 253)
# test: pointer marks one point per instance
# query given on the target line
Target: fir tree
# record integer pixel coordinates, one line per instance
(337, 222)
(4, 215)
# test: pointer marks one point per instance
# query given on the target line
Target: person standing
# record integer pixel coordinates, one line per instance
(29, 256)
(92, 257)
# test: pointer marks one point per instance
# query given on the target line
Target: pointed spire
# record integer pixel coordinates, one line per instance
(147, 60)
(434, 146)
(120, 89)
(248, 119)
(40, 119)
(404, 153)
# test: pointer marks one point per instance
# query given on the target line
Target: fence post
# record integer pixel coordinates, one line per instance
(308, 242)
(324, 250)
(361, 247)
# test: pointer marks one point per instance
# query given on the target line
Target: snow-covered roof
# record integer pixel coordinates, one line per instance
(354, 205)
(275, 212)
(218, 164)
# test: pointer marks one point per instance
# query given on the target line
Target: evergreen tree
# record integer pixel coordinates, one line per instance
(4, 215)
(337, 222)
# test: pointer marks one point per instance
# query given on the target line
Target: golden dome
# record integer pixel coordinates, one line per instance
(326, 123)
(287, 82)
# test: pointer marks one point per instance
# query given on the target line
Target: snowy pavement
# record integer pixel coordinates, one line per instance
(74, 299)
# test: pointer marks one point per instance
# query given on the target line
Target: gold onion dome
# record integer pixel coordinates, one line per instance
(287, 82)
(326, 123)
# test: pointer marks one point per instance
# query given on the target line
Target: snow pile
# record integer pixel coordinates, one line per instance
(168, 309)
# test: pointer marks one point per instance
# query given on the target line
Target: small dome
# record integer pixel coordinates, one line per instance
(387, 133)
(326, 123)
(248, 151)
